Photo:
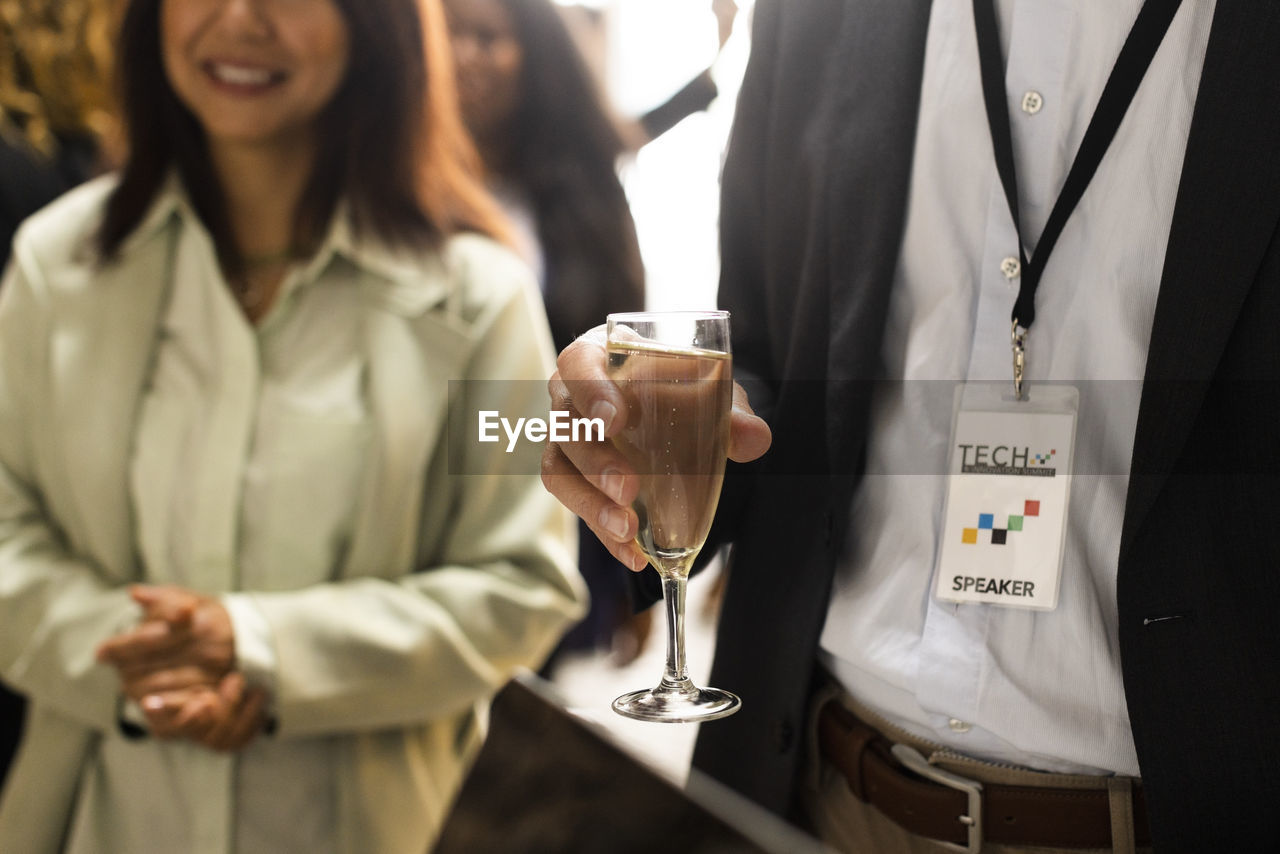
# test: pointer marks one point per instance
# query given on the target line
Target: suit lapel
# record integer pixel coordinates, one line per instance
(1224, 219)
(872, 122)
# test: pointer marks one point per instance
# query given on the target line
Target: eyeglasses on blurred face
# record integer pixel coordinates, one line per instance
(488, 59)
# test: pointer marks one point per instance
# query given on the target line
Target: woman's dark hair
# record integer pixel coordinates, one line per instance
(564, 148)
(391, 140)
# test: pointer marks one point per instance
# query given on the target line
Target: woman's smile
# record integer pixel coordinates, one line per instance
(254, 72)
(242, 78)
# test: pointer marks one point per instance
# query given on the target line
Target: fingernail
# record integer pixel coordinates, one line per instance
(612, 481)
(605, 411)
(153, 703)
(638, 562)
(614, 520)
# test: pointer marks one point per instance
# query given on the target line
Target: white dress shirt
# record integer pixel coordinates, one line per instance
(1037, 689)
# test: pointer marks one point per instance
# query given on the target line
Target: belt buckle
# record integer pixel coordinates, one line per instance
(912, 759)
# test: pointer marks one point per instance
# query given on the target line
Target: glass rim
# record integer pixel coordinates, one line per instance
(695, 314)
(682, 331)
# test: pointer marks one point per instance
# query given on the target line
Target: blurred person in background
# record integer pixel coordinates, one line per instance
(56, 130)
(589, 27)
(550, 151)
(694, 96)
(550, 146)
(251, 609)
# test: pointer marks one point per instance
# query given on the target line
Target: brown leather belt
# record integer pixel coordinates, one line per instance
(933, 803)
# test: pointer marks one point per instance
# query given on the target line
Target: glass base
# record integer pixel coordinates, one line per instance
(676, 704)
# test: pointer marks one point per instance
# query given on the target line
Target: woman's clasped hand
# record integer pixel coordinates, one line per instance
(177, 665)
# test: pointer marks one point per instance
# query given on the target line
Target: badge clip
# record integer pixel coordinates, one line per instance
(1019, 340)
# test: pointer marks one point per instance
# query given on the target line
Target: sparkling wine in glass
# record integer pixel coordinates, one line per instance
(675, 373)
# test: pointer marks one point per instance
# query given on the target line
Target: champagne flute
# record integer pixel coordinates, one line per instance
(675, 373)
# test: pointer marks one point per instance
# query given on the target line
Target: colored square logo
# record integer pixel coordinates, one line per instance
(1032, 508)
(1015, 523)
(969, 535)
(998, 536)
(986, 521)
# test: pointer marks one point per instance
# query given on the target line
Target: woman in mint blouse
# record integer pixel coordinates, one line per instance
(253, 600)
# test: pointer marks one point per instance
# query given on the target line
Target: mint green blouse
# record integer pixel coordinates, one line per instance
(246, 468)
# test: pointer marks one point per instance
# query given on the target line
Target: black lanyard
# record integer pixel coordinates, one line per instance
(1135, 57)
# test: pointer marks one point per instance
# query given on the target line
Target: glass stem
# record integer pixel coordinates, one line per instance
(673, 590)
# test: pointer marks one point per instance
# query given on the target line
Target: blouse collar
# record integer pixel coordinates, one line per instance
(408, 281)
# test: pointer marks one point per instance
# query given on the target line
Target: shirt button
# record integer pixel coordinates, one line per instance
(1011, 267)
(958, 725)
(1031, 102)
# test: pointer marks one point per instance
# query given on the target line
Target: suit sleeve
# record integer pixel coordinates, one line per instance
(743, 207)
(55, 608)
(743, 246)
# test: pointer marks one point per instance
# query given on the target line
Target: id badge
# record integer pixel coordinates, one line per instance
(1009, 478)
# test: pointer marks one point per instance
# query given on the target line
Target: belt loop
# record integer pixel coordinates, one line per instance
(839, 731)
(1120, 794)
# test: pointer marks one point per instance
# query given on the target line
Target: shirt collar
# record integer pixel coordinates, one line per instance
(408, 281)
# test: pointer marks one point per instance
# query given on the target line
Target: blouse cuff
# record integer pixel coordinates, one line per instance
(255, 653)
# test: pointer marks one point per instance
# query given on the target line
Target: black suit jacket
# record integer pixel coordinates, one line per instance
(813, 212)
